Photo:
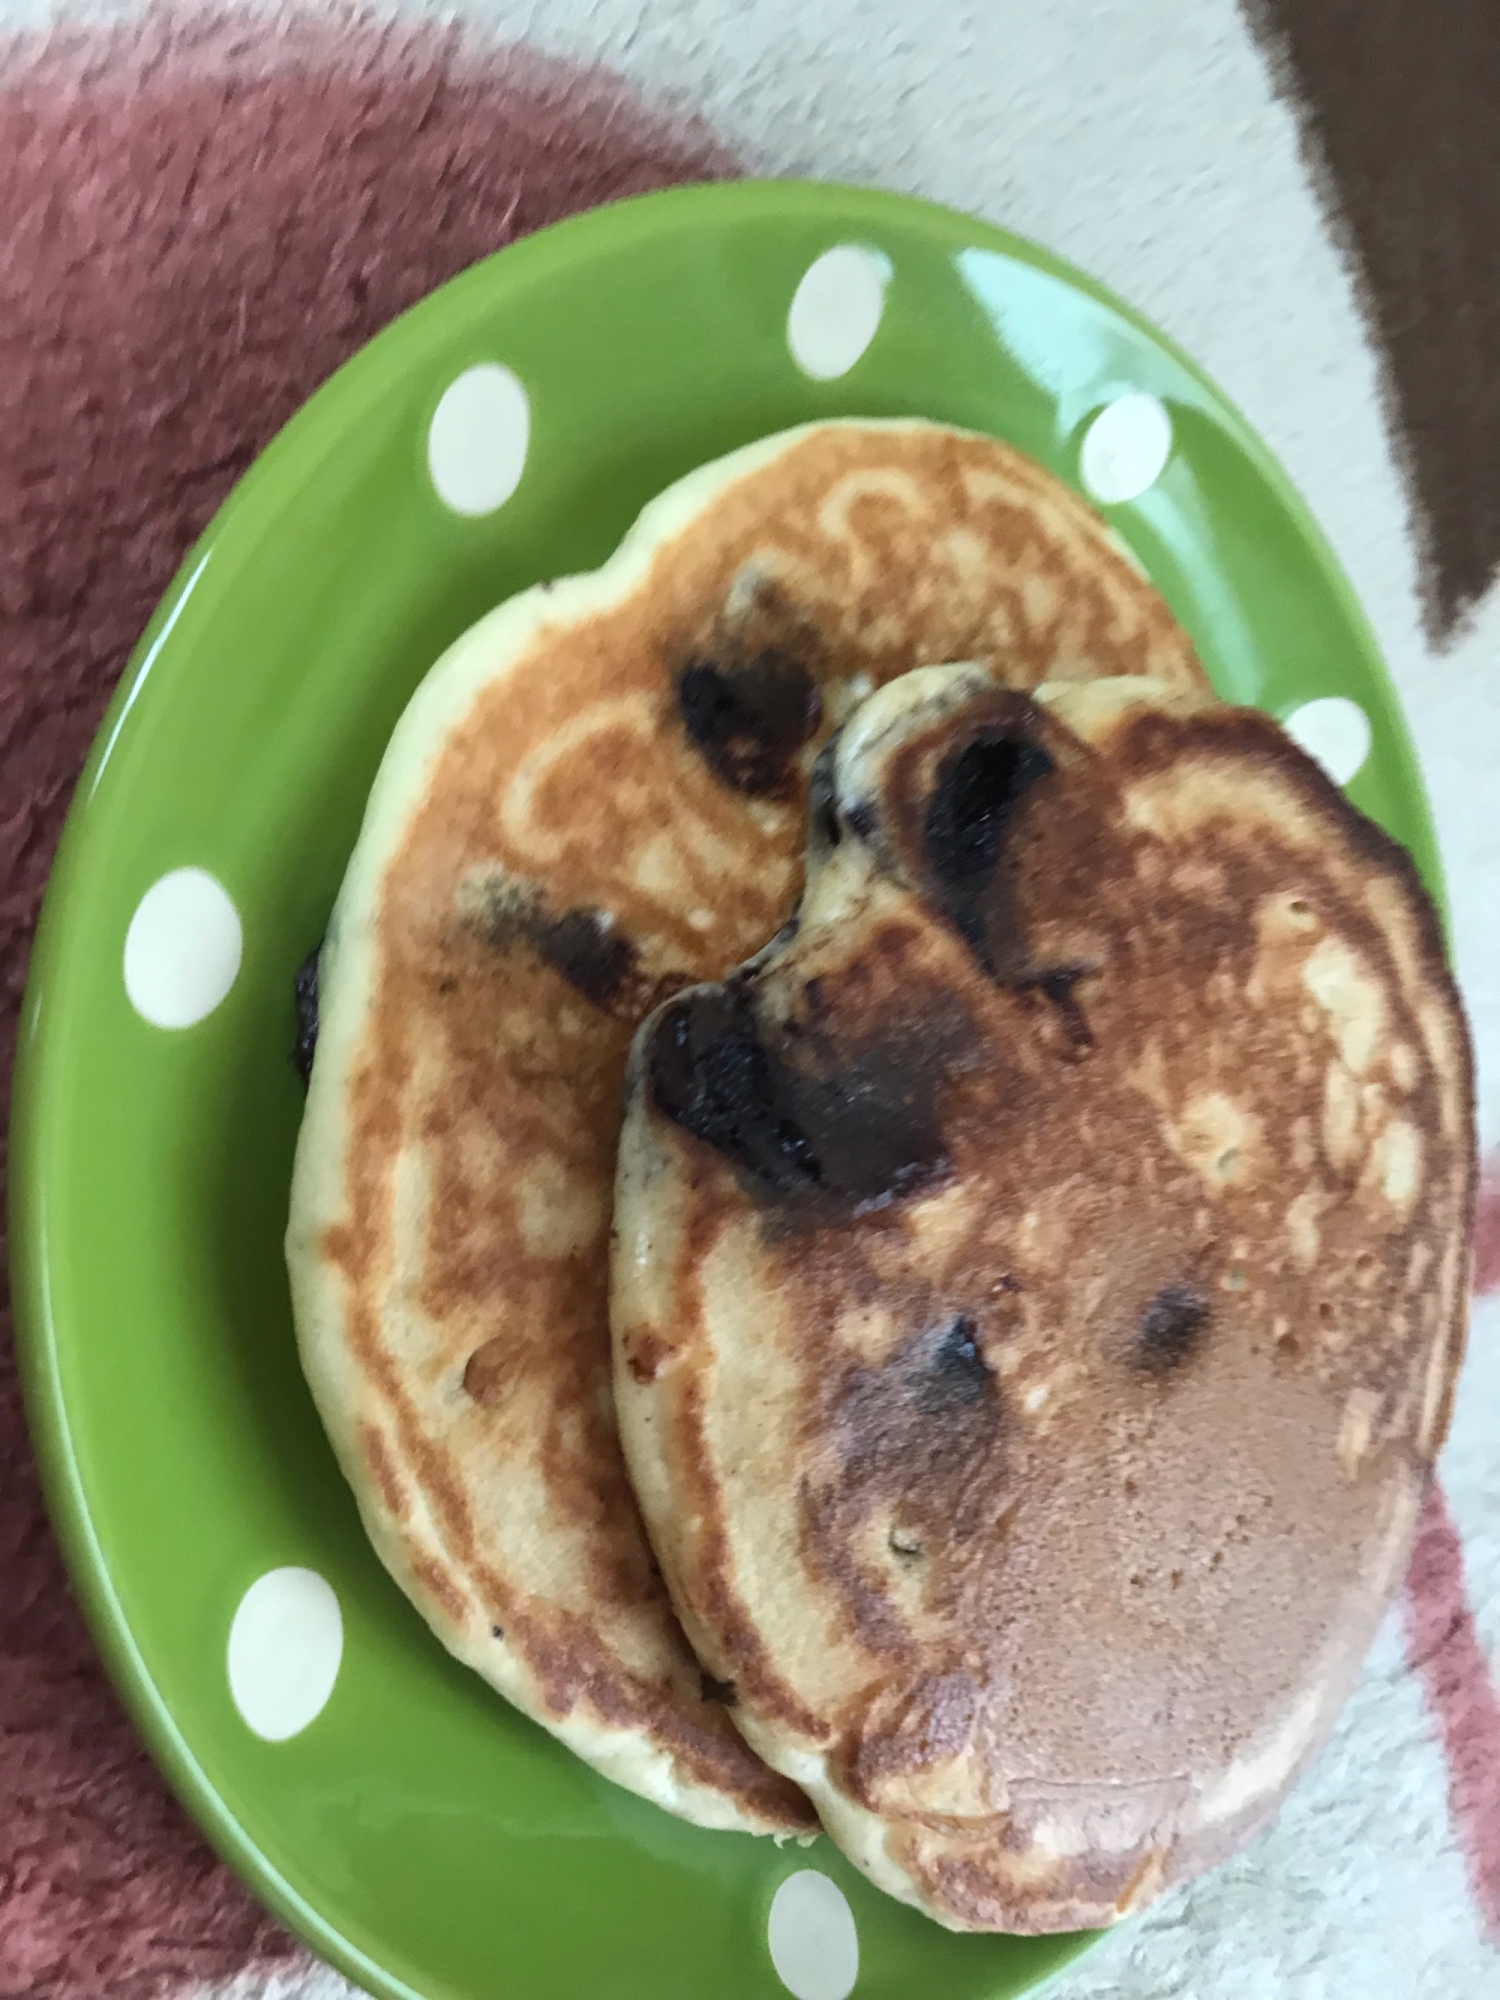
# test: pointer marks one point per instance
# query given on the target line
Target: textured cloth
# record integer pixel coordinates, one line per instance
(198, 224)
(192, 240)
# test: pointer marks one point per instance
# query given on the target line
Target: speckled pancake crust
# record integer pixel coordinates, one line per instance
(596, 797)
(1039, 1287)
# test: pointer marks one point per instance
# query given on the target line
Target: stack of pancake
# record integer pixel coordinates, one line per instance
(1018, 1119)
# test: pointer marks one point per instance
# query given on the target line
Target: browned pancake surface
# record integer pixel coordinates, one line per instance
(620, 811)
(1040, 1287)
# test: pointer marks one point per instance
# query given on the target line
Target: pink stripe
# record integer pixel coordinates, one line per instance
(1444, 1650)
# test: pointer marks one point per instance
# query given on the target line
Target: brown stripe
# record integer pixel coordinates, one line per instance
(1399, 107)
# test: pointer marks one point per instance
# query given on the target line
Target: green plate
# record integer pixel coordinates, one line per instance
(417, 1832)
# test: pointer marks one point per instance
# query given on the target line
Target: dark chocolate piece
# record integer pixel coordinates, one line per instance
(976, 793)
(872, 1119)
(585, 945)
(595, 958)
(1056, 984)
(1170, 1328)
(956, 1373)
(863, 1134)
(750, 720)
(710, 1073)
(305, 1002)
(922, 1438)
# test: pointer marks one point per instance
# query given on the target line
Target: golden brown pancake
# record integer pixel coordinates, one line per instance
(1039, 1286)
(596, 797)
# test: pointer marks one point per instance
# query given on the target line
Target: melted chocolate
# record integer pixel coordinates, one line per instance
(956, 1373)
(1170, 1328)
(711, 1073)
(873, 1120)
(923, 1434)
(750, 721)
(976, 793)
(305, 1001)
(861, 1133)
(1056, 986)
(596, 958)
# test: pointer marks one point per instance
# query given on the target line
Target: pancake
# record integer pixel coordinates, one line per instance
(1039, 1286)
(598, 795)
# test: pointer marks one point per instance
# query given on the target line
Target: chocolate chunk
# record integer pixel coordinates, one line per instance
(585, 945)
(724, 1692)
(1056, 984)
(750, 720)
(872, 1119)
(595, 958)
(864, 1133)
(711, 1073)
(976, 793)
(956, 1373)
(305, 1001)
(1170, 1328)
(922, 1442)
(497, 1631)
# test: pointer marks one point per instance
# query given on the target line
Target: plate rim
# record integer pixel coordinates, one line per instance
(531, 260)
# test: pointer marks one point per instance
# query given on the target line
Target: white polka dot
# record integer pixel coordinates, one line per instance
(814, 1945)
(182, 951)
(1126, 447)
(1334, 731)
(836, 310)
(476, 448)
(285, 1646)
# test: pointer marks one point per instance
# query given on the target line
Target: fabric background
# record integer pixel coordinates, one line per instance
(201, 215)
